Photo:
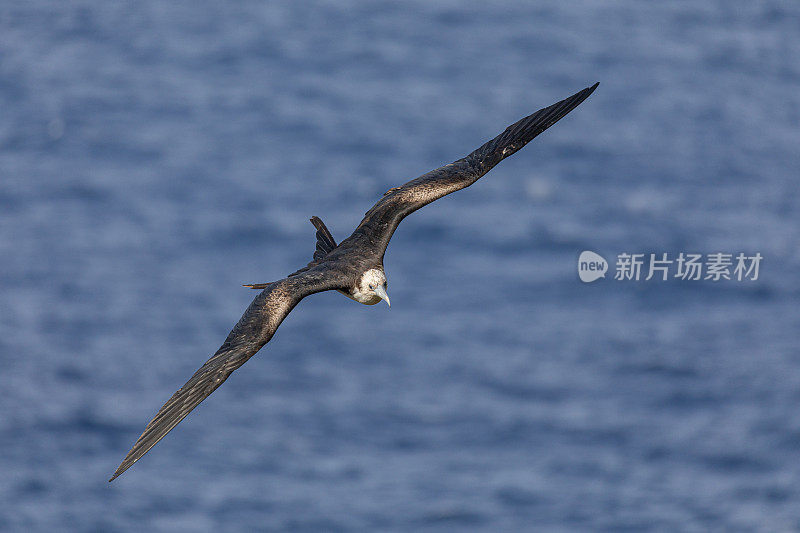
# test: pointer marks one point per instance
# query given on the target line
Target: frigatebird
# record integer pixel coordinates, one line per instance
(354, 267)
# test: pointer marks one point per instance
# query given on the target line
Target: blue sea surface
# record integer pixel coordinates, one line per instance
(155, 156)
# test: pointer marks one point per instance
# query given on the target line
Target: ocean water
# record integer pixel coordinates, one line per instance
(154, 157)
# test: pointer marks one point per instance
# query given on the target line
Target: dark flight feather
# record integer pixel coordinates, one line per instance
(380, 222)
(256, 327)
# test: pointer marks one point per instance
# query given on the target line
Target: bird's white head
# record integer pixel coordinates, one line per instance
(371, 288)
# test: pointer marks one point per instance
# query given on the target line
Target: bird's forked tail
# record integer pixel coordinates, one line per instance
(325, 244)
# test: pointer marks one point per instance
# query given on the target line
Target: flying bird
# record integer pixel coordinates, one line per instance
(354, 267)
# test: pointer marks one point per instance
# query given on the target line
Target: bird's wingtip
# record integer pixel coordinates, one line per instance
(585, 93)
(120, 470)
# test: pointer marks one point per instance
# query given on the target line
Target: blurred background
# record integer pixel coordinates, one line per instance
(155, 157)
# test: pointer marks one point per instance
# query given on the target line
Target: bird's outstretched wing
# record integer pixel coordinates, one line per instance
(380, 222)
(256, 327)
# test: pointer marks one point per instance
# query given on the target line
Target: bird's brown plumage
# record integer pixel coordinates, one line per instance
(397, 203)
(256, 327)
(338, 267)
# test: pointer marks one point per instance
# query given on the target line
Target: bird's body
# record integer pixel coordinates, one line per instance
(354, 267)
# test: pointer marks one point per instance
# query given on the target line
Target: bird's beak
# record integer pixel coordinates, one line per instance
(382, 293)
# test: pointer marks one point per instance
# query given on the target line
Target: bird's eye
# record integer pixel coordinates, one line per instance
(372, 287)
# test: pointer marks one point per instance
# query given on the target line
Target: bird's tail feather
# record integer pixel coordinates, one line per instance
(258, 285)
(325, 244)
(325, 241)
